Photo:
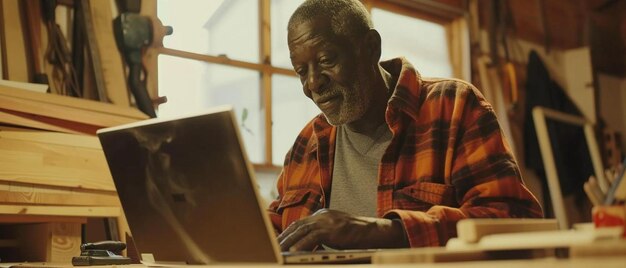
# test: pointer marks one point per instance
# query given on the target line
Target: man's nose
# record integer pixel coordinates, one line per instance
(316, 80)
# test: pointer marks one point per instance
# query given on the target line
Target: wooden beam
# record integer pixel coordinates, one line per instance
(7, 117)
(16, 57)
(89, 105)
(71, 140)
(69, 199)
(226, 61)
(266, 77)
(74, 211)
(40, 219)
(63, 112)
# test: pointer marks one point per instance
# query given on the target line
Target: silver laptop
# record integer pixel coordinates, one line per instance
(189, 193)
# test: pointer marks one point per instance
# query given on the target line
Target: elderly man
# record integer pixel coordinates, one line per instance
(395, 159)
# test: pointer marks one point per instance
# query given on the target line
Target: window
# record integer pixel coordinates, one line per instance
(222, 52)
(423, 43)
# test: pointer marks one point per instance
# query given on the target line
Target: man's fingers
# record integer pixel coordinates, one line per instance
(290, 229)
(294, 235)
(308, 242)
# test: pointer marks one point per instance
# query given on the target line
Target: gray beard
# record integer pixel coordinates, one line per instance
(353, 108)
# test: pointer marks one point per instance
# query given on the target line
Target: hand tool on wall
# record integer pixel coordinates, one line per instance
(133, 34)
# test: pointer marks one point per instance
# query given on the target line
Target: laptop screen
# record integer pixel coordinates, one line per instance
(188, 191)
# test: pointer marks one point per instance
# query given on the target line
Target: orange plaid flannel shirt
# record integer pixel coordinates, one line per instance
(447, 160)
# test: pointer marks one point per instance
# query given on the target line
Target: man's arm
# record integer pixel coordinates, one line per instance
(486, 180)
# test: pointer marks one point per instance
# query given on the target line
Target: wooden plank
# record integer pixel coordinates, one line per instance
(104, 199)
(52, 164)
(83, 104)
(110, 58)
(63, 112)
(72, 140)
(74, 211)
(45, 123)
(40, 219)
(16, 120)
(14, 45)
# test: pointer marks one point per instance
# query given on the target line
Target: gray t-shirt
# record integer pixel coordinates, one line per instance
(355, 170)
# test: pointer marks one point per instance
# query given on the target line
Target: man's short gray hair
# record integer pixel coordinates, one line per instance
(348, 17)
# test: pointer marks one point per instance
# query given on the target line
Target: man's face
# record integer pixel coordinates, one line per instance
(331, 72)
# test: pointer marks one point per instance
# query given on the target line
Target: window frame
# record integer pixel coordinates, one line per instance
(453, 21)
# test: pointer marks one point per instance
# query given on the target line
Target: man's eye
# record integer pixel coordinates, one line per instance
(325, 61)
(301, 71)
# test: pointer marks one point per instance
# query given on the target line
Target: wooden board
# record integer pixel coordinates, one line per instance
(110, 58)
(40, 219)
(88, 105)
(14, 45)
(70, 198)
(17, 120)
(71, 140)
(63, 112)
(46, 163)
(73, 211)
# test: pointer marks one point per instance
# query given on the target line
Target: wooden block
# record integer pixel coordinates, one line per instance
(14, 42)
(49, 242)
(442, 254)
(472, 230)
(43, 163)
(601, 248)
(65, 242)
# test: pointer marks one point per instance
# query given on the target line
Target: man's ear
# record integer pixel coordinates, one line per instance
(372, 45)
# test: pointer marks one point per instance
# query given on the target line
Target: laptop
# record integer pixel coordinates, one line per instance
(189, 193)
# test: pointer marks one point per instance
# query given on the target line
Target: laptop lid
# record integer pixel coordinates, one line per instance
(188, 190)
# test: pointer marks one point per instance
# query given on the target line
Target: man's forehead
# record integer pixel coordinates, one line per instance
(310, 28)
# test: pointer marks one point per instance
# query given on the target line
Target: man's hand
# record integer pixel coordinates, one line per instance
(341, 230)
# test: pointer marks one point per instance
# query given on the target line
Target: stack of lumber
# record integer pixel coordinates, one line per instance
(53, 174)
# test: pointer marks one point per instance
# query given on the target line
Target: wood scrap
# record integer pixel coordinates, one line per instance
(14, 45)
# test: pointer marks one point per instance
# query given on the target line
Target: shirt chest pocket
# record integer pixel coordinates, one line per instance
(301, 202)
(422, 196)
